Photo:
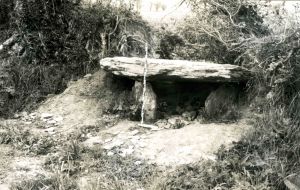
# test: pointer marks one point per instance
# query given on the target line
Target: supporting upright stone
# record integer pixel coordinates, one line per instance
(222, 103)
(150, 101)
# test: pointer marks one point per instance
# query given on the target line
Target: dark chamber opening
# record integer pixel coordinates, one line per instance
(177, 97)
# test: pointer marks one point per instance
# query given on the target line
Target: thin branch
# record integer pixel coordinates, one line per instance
(228, 12)
(10, 41)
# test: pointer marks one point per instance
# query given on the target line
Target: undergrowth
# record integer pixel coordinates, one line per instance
(20, 136)
(57, 181)
(113, 172)
(226, 32)
(266, 156)
(57, 41)
(67, 161)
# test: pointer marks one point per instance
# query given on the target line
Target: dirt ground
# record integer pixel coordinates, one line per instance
(169, 147)
(80, 104)
(81, 109)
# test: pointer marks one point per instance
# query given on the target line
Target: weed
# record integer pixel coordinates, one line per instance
(57, 181)
(117, 172)
(66, 159)
(58, 41)
(265, 157)
(20, 137)
(101, 183)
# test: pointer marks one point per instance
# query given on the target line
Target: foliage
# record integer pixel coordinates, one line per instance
(234, 33)
(58, 181)
(218, 28)
(269, 153)
(276, 89)
(275, 60)
(113, 172)
(125, 169)
(168, 43)
(20, 137)
(58, 41)
(67, 42)
(201, 175)
(6, 6)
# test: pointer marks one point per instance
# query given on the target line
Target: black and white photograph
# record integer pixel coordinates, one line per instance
(149, 95)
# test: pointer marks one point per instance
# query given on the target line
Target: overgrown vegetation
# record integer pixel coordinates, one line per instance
(234, 32)
(113, 172)
(216, 31)
(58, 181)
(19, 136)
(67, 160)
(66, 41)
(58, 41)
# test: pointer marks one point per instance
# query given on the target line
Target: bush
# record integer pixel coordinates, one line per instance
(6, 6)
(275, 60)
(58, 41)
(168, 43)
(218, 29)
(229, 32)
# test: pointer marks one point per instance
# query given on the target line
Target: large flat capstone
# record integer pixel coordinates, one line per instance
(163, 69)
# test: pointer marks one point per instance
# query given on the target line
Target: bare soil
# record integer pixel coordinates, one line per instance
(81, 109)
(170, 147)
(80, 104)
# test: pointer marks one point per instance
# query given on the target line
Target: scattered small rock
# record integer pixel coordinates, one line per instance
(189, 115)
(33, 115)
(143, 136)
(137, 163)
(127, 152)
(46, 115)
(90, 142)
(134, 141)
(173, 120)
(88, 76)
(141, 145)
(24, 114)
(110, 153)
(177, 122)
(108, 140)
(135, 138)
(118, 142)
(134, 132)
(116, 132)
(113, 144)
(163, 124)
(51, 122)
(50, 130)
(58, 118)
(155, 128)
(17, 116)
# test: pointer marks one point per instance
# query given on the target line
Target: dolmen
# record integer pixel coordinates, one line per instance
(172, 70)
